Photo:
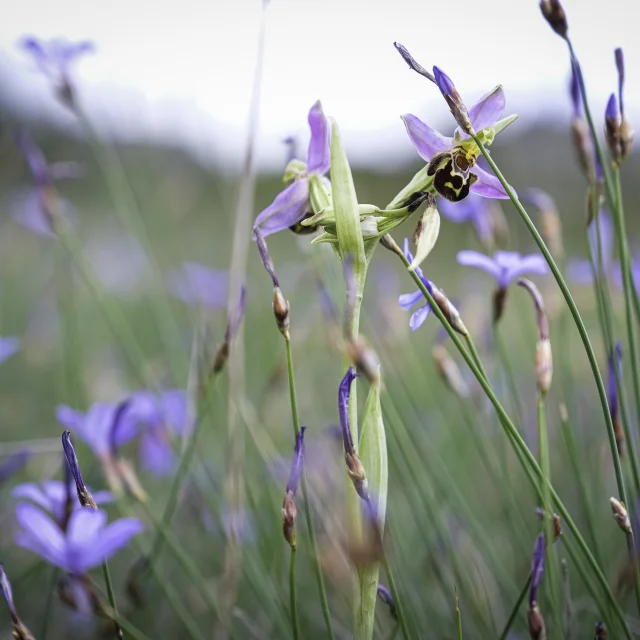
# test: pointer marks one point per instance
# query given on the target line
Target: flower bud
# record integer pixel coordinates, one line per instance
(281, 312)
(557, 523)
(543, 366)
(601, 632)
(555, 16)
(612, 129)
(449, 311)
(454, 100)
(289, 516)
(365, 359)
(621, 515)
(413, 64)
(536, 623)
(626, 138)
(385, 595)
(583, 146)
(450, 372)
(84, 496)
(499, 303)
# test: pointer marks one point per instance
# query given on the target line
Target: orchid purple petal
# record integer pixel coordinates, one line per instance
(289, 207)
(318, 155)
(505, 266)
(488, 185)
(407, 300)
(469, 258)
(537, 568)
(611, 112)
(344, 391)
(426, 140)
(444, 82)
(53, 57)
(487, 111)
(296, 464)
(417, 319)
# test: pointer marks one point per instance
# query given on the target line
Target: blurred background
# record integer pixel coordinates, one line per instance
(168, 88)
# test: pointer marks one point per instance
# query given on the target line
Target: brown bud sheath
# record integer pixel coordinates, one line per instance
(555, 16)
(536, 623)
(289, 516)
(281, 312)
(450, 372)
(449, 311)
(621, 515)
(365, 359)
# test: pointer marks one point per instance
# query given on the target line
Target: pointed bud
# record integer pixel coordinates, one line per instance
(289, 511)
(601, 632)
(555, 16)
(20, 631)
(612, 129)
(557, 523)
(449, 311)
(499, 303)
(536, 624)
(450, 372)
(544, 360)
(85, 498)
(409, 59)
(281, 312)
(454, 100)
(621, 515)
(583, 146)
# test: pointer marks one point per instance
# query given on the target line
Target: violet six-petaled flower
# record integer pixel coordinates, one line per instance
(198, 286)
(505, 266)
(86, 543)
(408, 300)
(291, 205)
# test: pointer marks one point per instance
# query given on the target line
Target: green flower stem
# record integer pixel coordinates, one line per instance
(133, 631)
(324, 603)
(547, 505)
(183, 468)
(292, 596)
(629, 287)
(458, 616)
(112, 599)
(519, 443)
(476, 357)
(503, 357)
(46, 616)
(516, 607)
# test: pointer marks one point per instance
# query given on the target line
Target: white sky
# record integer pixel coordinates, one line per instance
(183, 70)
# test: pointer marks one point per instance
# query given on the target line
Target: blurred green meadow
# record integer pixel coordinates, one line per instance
(461, 512)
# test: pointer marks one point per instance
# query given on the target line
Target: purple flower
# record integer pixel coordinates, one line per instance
(619, 57)
(13, 463)
(456, 156)
(505, 266)
(8, 346)
(407, 300)
(32, 207)
(197, 285)
(537, 568)
(84, 495)
(635, 275)
(581, 271)
(51, 495)
(291, 205)
(85, 544)
(102, 427)
(344, 392)
(574, 91)
(472, 209)
(158, 416)
(20, 632)
(385, 595)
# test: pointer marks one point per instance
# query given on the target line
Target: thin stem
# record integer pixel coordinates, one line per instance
(474, 354)
(519, 444)
(324, 603)
(516, 608)
(292, 595)
(574, 312)
(458, 616)
(133, 631)
(628, 286)
(112, 599)
(46, 617)
(510, 375)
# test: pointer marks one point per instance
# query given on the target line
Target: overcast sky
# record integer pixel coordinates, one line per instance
(183, 70)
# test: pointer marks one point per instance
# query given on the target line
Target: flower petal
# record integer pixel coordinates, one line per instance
(462, 211)
(580, 271)
(470, 258)
(407, 300)
(318, 156)
(418, 318)
(111, 540)
(531, 264)
(488, 186)
(488, 109)
(32, 492)
(8, 346)
(84, 527)
(156, 452)
(40, 534)
(198, 285)
(289, 208)
(426, 140)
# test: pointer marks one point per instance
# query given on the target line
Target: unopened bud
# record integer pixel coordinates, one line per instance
(499, 303)
(621, 515)
(626, 138)
(612, 129)
(281, 312)
(555, 16)
(601, 632)
(536, 623)
(544, 366)
(454, 100)
(355, 470)
(289, 516)
(449, 311)
(583, 146)
(618, 432)
(450, 371)
(365, 359)
(221, 357)
(389, 243)
(557, 523)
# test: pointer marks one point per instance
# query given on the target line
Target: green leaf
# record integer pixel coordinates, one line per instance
(373, 454)
(345, 205)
